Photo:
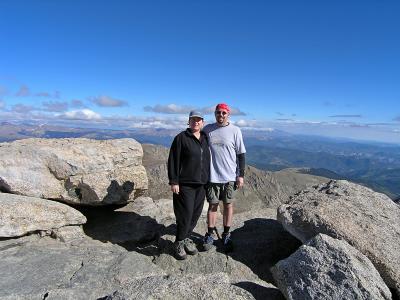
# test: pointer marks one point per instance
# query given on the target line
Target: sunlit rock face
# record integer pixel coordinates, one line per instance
(20, 215)
(367, 220)
(329, 269)
(78, 171)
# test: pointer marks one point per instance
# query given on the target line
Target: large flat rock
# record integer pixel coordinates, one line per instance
(327, 268)
(43, 268)
(369, 221)
(79, 171)
(20, 215)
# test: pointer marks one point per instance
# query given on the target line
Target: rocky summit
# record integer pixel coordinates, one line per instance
(52, 250)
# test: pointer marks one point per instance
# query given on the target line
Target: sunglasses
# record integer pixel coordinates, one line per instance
(218, 112)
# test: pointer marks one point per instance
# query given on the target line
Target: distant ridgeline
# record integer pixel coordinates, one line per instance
(375, 165)
(378, 170)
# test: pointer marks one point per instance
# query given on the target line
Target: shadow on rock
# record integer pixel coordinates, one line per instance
(87, 195)
(260, 244)
(260, 292)
(130, 230)
(117, 193)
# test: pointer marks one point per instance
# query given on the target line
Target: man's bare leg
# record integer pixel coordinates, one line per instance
(212, 215)
(228, 214)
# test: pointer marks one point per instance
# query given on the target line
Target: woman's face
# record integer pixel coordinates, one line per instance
(196, 123)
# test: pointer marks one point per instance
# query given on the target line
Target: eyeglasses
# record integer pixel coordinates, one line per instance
(218, 112)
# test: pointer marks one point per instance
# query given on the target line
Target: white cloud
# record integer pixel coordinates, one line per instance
(43, 94)
(22, 108)
(23, 91)
(83, 114)
(185, 109)
(234, 110)
(252, 125)
(77, 103)
(169, 109)
(208, 110)
(2, 104)
(55, 106)
(285, 120)
(242, 123)
(237, 112)
(107, 101)
(346, 116)
(3, 91)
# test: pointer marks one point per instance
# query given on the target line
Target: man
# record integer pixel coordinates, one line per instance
(226, 172)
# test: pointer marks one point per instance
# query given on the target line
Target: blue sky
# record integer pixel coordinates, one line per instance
(329, 68)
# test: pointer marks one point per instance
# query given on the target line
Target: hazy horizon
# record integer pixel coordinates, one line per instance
(247, 132)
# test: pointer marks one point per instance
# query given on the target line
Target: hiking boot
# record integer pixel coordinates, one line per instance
(208, 242)
(190, 247)
(179, 250)
(227, 241)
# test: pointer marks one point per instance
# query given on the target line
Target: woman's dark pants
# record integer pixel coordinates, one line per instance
(188, 205)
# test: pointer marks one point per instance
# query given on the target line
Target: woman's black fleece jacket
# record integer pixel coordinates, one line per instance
(189, 159)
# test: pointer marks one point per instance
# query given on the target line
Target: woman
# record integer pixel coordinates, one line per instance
(188, 173)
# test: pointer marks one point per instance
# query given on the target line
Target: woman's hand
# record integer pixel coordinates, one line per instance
(175, 188)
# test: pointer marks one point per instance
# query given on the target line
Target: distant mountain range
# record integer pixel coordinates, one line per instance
(376, 165)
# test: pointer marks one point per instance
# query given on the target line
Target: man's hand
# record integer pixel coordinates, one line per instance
(239, 182)
(175, 188)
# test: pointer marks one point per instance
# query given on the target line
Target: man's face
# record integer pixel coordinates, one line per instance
(221, 116)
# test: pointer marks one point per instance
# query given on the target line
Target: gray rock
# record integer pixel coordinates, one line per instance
(161, 210)
(147, 226)
(155, 159)
(327, 268)
(20, 215)
(204, 263)
(259, 242)
(140, 221)
(215, 286)
(85, 268)
(68, 234)
(79, 171)
(32, 268)
(367, 220)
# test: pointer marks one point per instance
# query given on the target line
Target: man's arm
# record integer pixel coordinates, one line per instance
(241, 165)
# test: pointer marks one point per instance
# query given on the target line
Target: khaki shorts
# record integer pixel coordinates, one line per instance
(216, 192)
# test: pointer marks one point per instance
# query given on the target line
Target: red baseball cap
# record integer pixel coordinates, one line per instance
(222, 106)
